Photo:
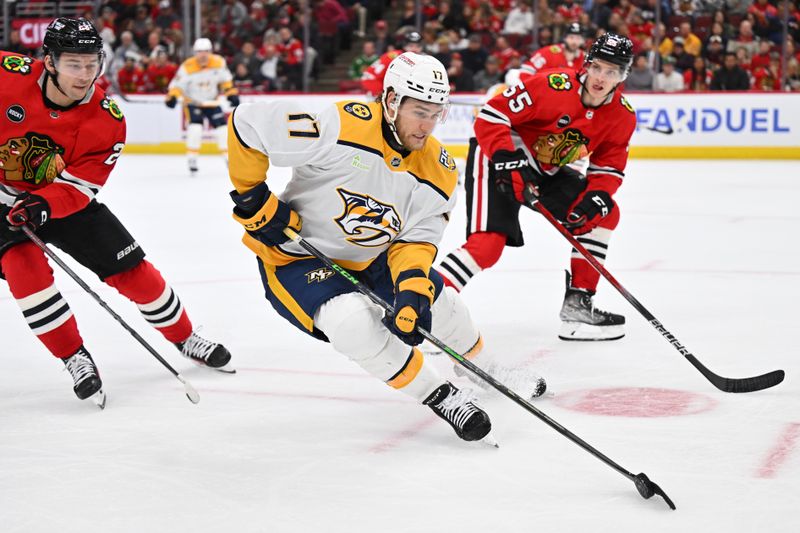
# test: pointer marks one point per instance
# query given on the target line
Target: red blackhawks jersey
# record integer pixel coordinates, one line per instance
(62, 154)
(544, 116)
(552, 57)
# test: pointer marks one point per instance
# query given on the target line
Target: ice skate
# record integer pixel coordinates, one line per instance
(206, 353)
(86, 378)
(193, 168)
(582, 321)
(458, 408)
(521, 379)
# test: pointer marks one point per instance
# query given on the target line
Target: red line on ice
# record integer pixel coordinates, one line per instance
(408, 433)
(780, 452)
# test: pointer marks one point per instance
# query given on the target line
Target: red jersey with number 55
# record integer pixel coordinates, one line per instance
(62, 154)
(543, 114)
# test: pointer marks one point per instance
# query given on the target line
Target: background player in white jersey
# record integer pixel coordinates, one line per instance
(372, 189)
(200, 81)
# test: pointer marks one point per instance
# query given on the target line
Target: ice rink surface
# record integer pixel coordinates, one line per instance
(301, 440)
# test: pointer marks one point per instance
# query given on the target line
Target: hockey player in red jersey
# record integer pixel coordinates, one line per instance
(566, 134)
(568, 54)
(60, 139)
(372, 77)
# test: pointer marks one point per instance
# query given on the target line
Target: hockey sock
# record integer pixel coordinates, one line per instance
(481, 251)
(222, 139)
(30, 280)
(156, 300)
(584, 276)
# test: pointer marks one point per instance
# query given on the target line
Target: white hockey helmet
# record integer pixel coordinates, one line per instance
(202, 44)
(417, 76)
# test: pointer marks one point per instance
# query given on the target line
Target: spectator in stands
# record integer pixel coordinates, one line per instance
(15, 44)
(714, 51)
(718, 30)
(408, 18)
(571, 10)
(668, 80)
(769, 78)
(333, 12)
(697, 78)
(503, 52)
(153, 42)
(141, 26)
(166, 17)
(249, 58)
(743, 60)
(600, 13)
(159, 72)
(363, 60)
(691, 42)
(761, 59)
(685, 7)
(793, 74)
(291, 54)
(244, 80)
(489, 75)
(737, 7)
(383, 42)
(765, 17)
(457, 42)
(665, 43)
(447, 19)
(443, 52)
(233, 14)
(519, 20)
(126, 44)
(270, 69)
(474, 56)
(683, 61)
(461, 79)
(730, 77)
(745, 39)
(641, 76)
(130, 77)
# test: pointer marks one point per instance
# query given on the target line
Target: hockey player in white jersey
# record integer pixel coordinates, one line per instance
(201, 81)
(372, 189)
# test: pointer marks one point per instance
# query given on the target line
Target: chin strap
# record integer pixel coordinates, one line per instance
(390, 120)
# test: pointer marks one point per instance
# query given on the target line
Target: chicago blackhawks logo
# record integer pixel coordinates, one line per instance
(626, 104)
(559, 82)
(111, 106)
(17, 64)
(369, 221)
(561, 148)
(33, 158)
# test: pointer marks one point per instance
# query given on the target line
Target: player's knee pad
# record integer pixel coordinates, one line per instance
(353, 326)
(194, 137)
(610, 221)
(221, 134)
(453, 325)
(26, 269)
(485, 247)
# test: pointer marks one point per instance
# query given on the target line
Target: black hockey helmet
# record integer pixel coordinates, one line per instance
(77, 36)
(613, 48)
(413, 37)
(575, 29)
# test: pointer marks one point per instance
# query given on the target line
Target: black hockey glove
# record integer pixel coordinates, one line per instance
(558, 193)
(513, 173)
(264, 216)
(588, 211)
(171, 102)
(233, 99)
(29, 209)
(413, 296)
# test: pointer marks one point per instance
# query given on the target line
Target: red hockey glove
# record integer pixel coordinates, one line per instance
(512, 173)
(588, 211)
(28, 209)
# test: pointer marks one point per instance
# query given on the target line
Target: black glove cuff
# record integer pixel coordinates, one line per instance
(249, 202)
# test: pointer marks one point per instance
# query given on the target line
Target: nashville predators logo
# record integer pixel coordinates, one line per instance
(33, 158)
(561, 148)
(17, 64)
(319, 275)
(111, 106)
(358, 110)
(369, 221)
(559, 82)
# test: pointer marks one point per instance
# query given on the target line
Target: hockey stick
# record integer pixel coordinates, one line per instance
(666, 131)
(752, 384)
(190, 391)
(643, 484)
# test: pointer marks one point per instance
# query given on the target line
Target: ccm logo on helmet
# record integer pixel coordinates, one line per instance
(511, 165)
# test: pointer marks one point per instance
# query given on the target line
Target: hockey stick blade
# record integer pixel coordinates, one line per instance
(647, 489)
(666, 131)
(739, 385)
(190, 391)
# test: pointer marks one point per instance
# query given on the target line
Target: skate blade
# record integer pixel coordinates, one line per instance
(99, 399)
(579, 331)
(490, 441)
(225, 369)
